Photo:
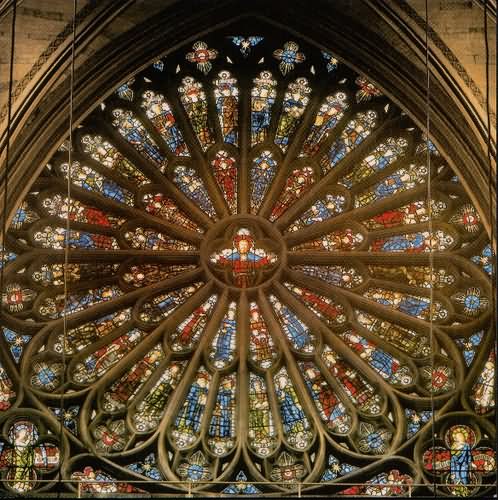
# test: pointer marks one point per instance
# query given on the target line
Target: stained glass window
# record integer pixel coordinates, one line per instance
(259, 292)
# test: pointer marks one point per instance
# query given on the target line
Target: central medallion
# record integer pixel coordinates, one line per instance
(243, 251)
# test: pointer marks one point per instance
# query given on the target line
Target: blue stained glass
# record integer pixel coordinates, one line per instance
(223, 345)
(147, 467)
(263, 96)
(263, 170)
(414, 242)
(296, 331)
(336, 469)
(136, 134)
(332, 62)
(245, 43)
(469, 346)
(355, 133)
(226, 94)
(222, 428)
(192, 186)
(68, 416)
(6, 256)
(159, 113)
(16, 342)
(485, 260)
(321, 210)
(189, 419)
(416, 420)
(241, 487)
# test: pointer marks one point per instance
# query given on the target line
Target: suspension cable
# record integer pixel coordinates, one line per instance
(431, 234)
(68, 230)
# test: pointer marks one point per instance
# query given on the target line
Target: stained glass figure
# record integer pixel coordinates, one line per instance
(298, 182)
(412, 305)
(161, 116)
(355, 132)
(77, 339)
(202, 56)
(188, 421)
(55, 237)
(149, 239)
(162, 305)
(331, 61)
(58, 305)
(414, 344)
(332, 410)
(135, 133)
(261, 345)
(103, 358)
(91, 180)
(223, 345)
(263, 170)
(386, 484)
(366, 90)
(263, 96)
(193, 187)
(296, 100)
(297, 429)
(425, 241)
(342, 240)
(6, 256)
(245, 43)
(262, 432)
(244, 261)
(125, 91)
(241, 487)
(107, 155)
(122, 391)
(226, 94)
(147, 274)
(225, 173)
(295, 330)
(379, 159)
(329, 114)
(287, 469)
(54, 275)
(324, 307)
(400, 181)
(482, 393)
(23, 457)
(24, 216)
(383, 362)
(194, 101)
(222, 428)
(95, 481)
(345, 277)
(16, 342)
(151, 408)
(7, 392)
(321, 210)
(359, 391)
(288, 57)
(458, 462)
(420, 276)
(159, 205)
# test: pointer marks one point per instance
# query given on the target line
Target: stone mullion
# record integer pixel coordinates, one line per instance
(291, 365)
(202, 166)
(332, 176)
(153, 172)
(243, 372)
(292, 153)
(130, 212)
(244, 143)
(178, 397)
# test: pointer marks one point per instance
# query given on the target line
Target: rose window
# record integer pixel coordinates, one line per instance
(261, 295)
